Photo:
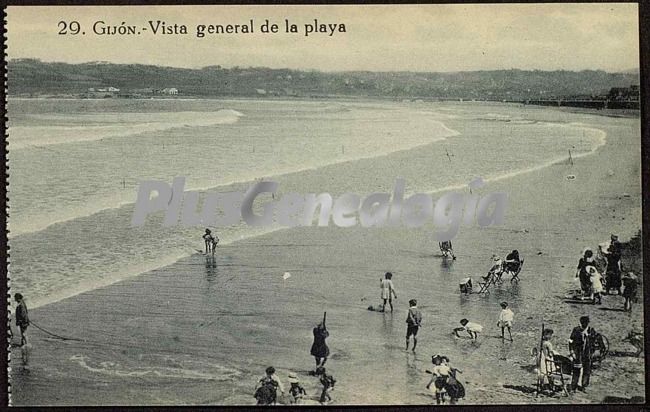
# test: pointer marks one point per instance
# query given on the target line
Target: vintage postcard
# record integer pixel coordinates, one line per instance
(324, 205)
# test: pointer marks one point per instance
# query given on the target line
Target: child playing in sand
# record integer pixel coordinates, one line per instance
(296, 392)
(328, 383)
(473, 329)
(505, 320)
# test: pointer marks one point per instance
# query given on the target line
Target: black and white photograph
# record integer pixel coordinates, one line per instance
(219, 205)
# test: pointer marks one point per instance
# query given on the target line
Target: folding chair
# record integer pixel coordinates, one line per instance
(515, 275)
(559, 370)
(485, 286)
(446, 249)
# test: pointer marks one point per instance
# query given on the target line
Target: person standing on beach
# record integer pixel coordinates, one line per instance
(581, 271)
(328, 383)
(413, 323)
(296, 392)
(506, 316)
(596, 284)
(613, 272)
(387, 291)
(214, 242)
(208, 239)
(545, 362)
(267, 387)
(22, 319)
(319, 349)
(630, 284)
(581, 345)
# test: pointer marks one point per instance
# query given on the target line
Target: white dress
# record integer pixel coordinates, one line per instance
(596, 282)
(386, 288)
(545, 367)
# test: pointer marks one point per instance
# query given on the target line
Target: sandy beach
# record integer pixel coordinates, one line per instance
(201, 332)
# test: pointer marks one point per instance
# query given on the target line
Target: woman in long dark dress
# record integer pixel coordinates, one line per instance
(319, 349)
(581, 271)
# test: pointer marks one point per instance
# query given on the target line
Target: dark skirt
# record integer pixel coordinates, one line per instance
(320, 350)
(455, 389)
(629, 292)
(613, 278)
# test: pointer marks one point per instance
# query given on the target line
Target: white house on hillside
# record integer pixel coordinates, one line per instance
(169, 90)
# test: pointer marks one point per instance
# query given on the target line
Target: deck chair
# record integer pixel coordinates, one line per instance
(446, 249)
(515, 275)
(560, 369)
(484, 287)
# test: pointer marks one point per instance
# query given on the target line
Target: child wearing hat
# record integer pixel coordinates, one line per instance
(296, 392)
(505, 320)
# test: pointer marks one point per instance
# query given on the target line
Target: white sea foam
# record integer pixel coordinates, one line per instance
(33, 223)
(184, 369)
(93, 127)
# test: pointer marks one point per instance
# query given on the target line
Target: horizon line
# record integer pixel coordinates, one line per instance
(98, 62)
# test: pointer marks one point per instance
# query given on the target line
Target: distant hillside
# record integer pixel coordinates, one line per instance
(33, 77)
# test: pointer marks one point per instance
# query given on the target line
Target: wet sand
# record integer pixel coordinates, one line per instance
(202, 332)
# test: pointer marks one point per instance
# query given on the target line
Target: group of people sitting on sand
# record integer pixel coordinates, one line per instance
(608, 261)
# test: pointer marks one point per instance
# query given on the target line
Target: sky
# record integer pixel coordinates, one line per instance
(425, 38)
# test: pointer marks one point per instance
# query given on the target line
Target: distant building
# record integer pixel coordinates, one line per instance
(260, 91)
(624, 93)
(169, 90)
(102, 92)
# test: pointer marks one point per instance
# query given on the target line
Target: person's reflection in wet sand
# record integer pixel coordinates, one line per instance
(446, 265)
(413, 376)
(388, 324)
(210, 268)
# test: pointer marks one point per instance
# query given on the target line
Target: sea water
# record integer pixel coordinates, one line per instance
(216, 324)
(75, 167)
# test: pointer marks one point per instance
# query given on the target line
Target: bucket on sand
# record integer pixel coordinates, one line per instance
(466, 286)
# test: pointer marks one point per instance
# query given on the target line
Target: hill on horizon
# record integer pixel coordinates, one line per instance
(34, 77)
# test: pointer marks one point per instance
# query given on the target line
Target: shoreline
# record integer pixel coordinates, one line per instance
(227, 185)
(538, 206)
(627, 113)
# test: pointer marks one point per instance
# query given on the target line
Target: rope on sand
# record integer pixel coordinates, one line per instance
(54, 334)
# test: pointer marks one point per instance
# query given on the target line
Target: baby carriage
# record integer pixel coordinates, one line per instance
(600, 349)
